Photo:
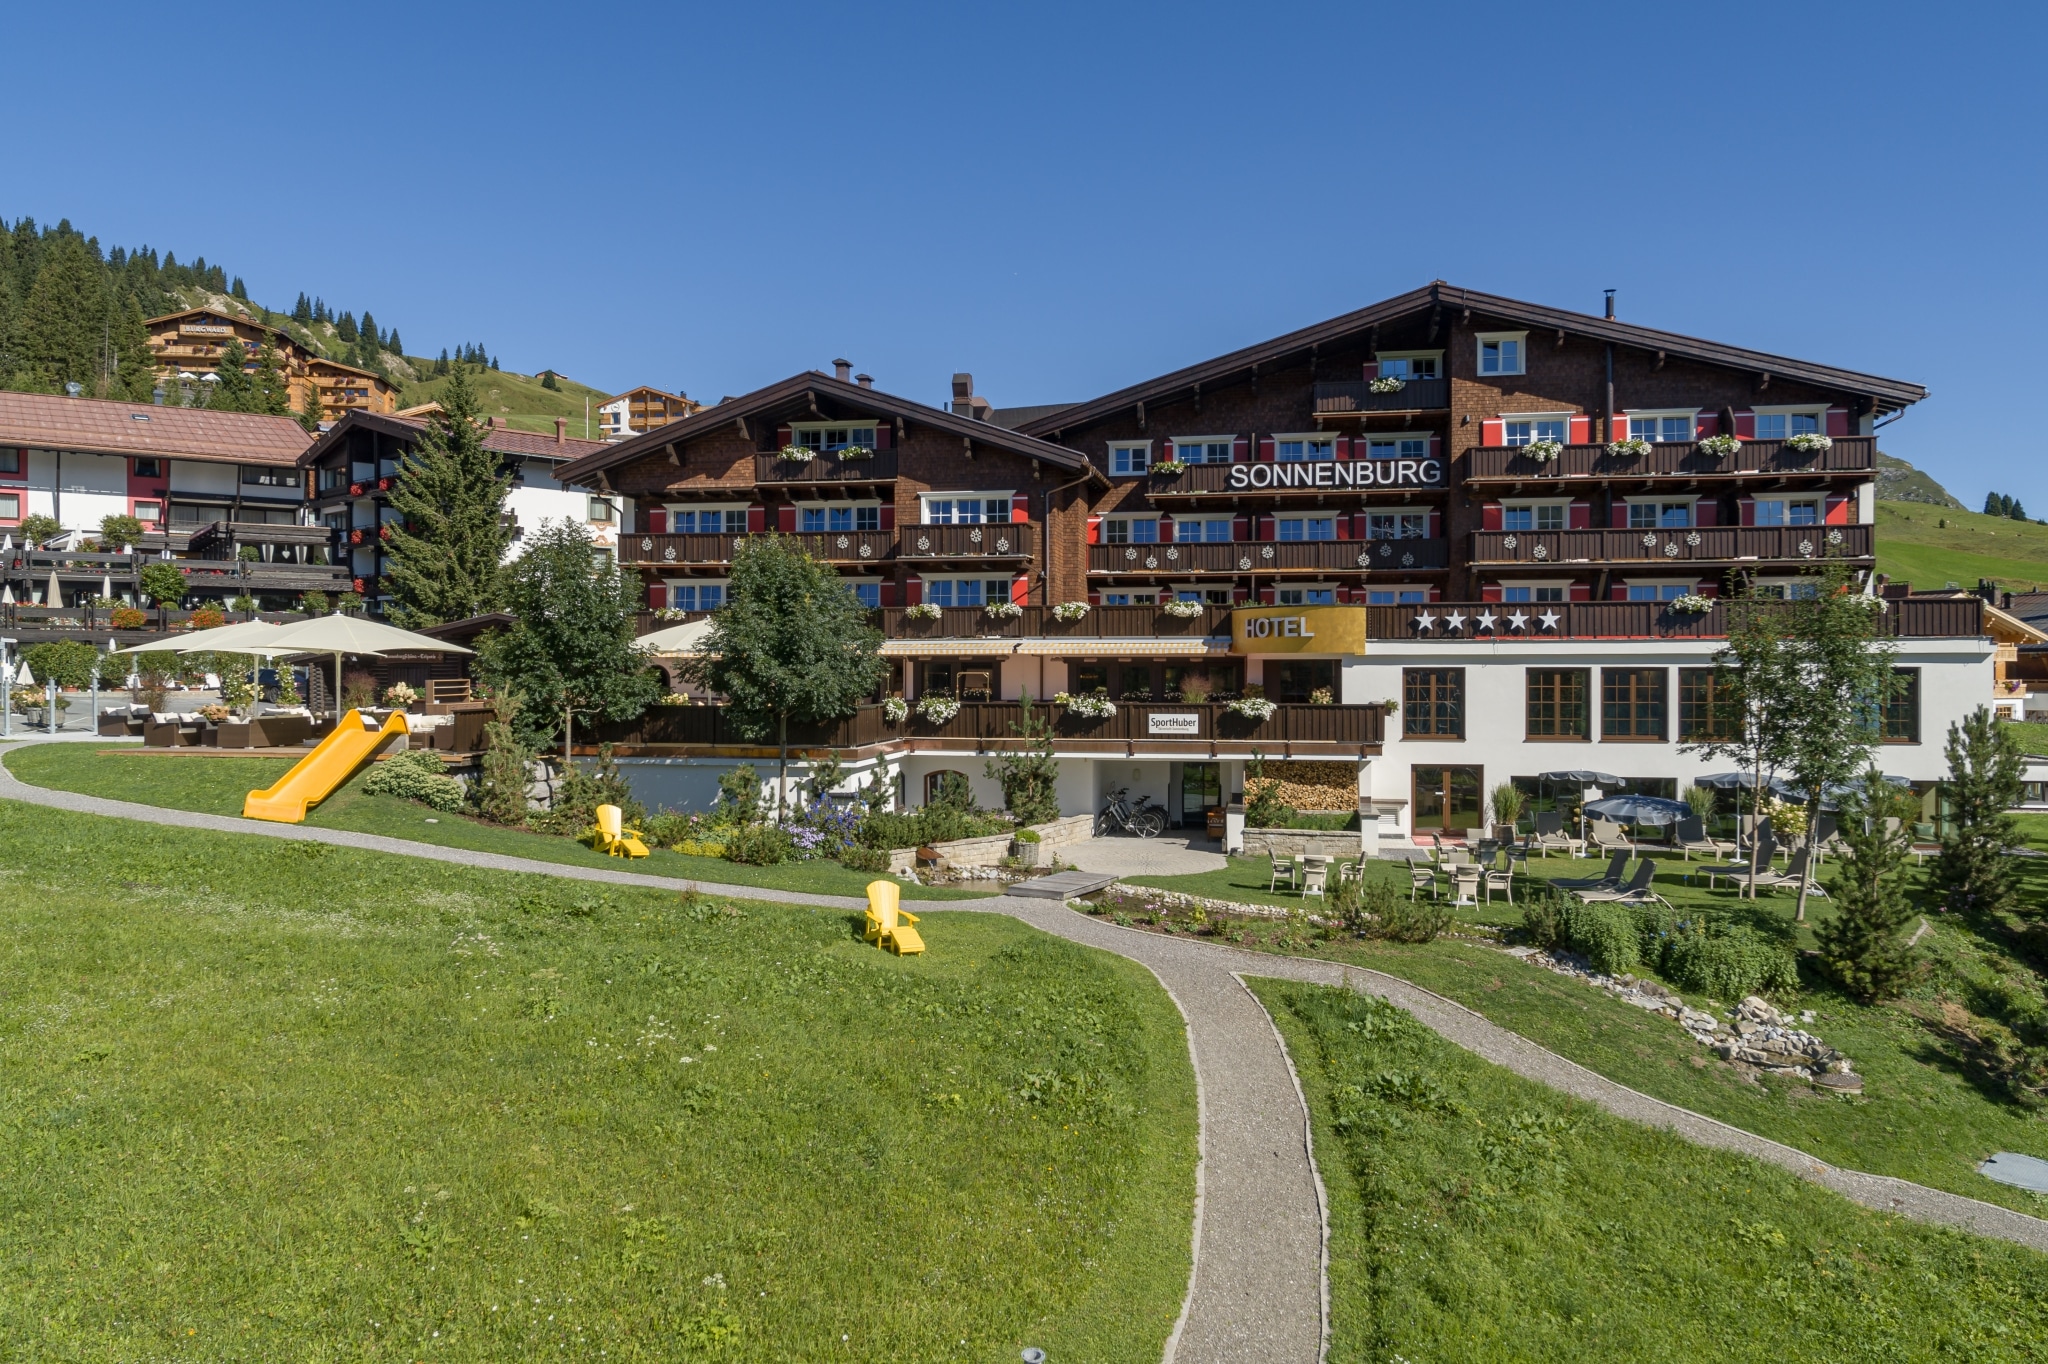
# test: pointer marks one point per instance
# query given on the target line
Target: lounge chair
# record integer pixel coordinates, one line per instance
(1692, 838)
(1797, 870)
(889, 925)
(1612, 837)
(1617, 872)
(611, 837)
(1634, 892)
(1550, 834)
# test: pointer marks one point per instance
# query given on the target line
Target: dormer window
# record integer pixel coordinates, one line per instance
(1502, 352)
(829, 438)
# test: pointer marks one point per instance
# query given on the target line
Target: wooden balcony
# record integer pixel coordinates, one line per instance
(230, 578)
(686, 551)
(1279, 556)
(879, 468)
(1702, 544)
(1036, 622)
(1677, 459)
(999, 540)
(1907, 618)
(1356, 395)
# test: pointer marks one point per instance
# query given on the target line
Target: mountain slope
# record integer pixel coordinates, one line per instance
(1933, 546)
(518, 400)
(1898, 481)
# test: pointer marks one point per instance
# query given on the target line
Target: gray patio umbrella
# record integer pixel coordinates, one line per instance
(1581, 778)
(1639, 810)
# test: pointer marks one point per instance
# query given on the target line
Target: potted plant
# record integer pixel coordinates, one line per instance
(1252, 707)
(1089, 705)
(1719, 447)
(1170, 468)
(1182, 610)
(1322, 696)
(1635, 447)
(1386, 383)
(1507, 800)
(855, 453)
(1002, 610)
(1809, 443)
(1692, 604)
(1067, 612)
(797, 454)
(1543, 451)
(399, 696)
(937, 707)
(895, 710)
(924, 610)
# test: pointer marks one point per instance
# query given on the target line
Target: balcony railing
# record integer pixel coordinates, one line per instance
(682, 551)
(1356, 395)
(995, 540)
(1103, 622)
(1297, 478)
(1278, 556)
(1906, 618)
(826, 468)
(1677, 459)
(1713, 544)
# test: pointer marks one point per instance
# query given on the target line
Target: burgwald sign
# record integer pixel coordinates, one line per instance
(1297, 630)
(1174, 723)
(1349, 473)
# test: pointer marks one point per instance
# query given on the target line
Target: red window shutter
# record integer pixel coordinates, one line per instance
(657, 522)
(1020, 507)
(1748, 507)
(888, 519)
(1240, 528)
(1579, 592)
(1266, 594)
(888, 593)
(1489, 516)
(1239, 593)
(1836, 511)
(913, 591)
(1706, 512)
(784, 436)
(1489, 592)
(1436, 525)
(1166, 530)
(1020, 591)
(1707, 424)
(1745, 427)
(1240, 450)
(1580, 431)
(1436, 594)
(1343, 527)
(1579, 516)
(1708, 589)
(1266, 449)
(1267, 530)
(1371, 370)
(1619, 431)
(1617, 516)
(1436, 446)
(1618, 592)
(1343, 447)
(1165, 451)
(785, 518)
(757, 519)
(1838, 421)
(1493, 433)
(1095, 599)
(884, 434)
(657, 596)
(1094, 530)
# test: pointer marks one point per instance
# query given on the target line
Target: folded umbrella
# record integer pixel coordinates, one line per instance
(1639, 810)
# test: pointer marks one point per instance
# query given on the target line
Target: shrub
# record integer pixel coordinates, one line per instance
(666, 828)
(207, 618)
(416, 774)
(739, 796)
(887, 829)
(314, 603)
(1028, 836)
(72, 662)
(1727, 962)
(583, 790)
(500, 788)
(128, 618)
(163, 583)
(857, 858)
(1605, 935)
(1543, 918)
(1403, 920)
(759, 845)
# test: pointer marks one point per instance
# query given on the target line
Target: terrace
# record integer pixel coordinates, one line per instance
(1282, 556)
(1675, 459)
(1710, 544)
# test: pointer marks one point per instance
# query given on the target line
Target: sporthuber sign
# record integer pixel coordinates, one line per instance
(1297, 630)
(1348, 473)
(1174, 724)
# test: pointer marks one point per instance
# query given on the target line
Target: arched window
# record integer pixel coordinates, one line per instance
(938, 784)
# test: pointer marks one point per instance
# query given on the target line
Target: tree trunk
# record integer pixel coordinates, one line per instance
(1812, 826)
(568, 725)
(782, 765)
(1756, 805)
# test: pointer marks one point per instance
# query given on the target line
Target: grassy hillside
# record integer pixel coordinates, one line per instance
(1931, 546)
(519, 399)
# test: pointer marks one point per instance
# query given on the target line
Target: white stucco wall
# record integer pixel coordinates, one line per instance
(195, 476)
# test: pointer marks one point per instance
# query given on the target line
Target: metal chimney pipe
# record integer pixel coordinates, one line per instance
(1610, 305)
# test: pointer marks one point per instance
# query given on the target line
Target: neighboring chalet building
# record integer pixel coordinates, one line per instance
(205, 485)
(191, 346)
(351, 468)
(640, 410)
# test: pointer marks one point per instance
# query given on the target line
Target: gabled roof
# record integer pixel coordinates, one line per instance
(100, 426)
(324, 363)
(207, 312)
(498, 439)
(792, 399)
(651, 390)
(1887, 394)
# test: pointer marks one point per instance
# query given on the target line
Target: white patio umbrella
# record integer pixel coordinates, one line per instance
(687, 638)
(56, 592)
(339, 634)
(245, 637)
(6, 591)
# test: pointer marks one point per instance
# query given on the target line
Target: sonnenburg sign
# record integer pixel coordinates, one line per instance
(1349, 473)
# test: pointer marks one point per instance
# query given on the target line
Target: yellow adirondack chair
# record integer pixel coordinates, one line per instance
(889, 925)
(610, 836)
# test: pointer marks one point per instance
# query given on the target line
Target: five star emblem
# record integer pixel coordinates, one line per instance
(1456, 620)
(1424, 621)
(1517, 620)
(1486, 620)
(1549, 619)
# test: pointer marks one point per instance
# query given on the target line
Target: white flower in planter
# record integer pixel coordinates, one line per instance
(895, 710)
(1386, 383)
(1170, 468)
(1693, 604)
(1252, 707)
(924, 610)
(1809, 443)
(1633, 448)
(1091, 706)
(1071, 611)
(1182, 610)
(937, 707)
(855, 452)
(798, 454)
(1719, 447)
(1002, 610)
(1543, 451)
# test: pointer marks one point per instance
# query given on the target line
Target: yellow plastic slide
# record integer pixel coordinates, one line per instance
(314, 777)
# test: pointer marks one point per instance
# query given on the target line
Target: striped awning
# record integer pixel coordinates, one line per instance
(1055, 648)
(950, 648)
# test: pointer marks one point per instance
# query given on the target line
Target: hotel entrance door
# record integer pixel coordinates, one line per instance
(1447, 799)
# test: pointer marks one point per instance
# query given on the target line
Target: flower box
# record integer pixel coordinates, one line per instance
(895, 710)
(924, 610)
(1692, 604)
(1543, 451)
(1070, 611)
(1252, 708)
(1170, 468)
(937, 708)
(1633, 448)
(1720, 447)
(1387, 383)
(1809, 443)
(797, 454)
(1182, 610)
(854, 453)
(1002, 610)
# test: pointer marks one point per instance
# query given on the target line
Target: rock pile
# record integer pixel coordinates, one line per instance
(1755, 1034)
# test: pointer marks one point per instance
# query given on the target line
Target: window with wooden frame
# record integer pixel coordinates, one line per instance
(1700, 706)
(1902, 708)
(1632, 702)
(1433, 703)
(1557, 703)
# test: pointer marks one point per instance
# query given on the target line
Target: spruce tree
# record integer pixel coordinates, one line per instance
(1863, 945)
(392, 344)
(239, 290)
(1973, 874)
(441, 365)
(269, 390)
(10, 311)
(442, 559)
(61, 324)
(302, 311)
(366, 331)
(345, 330)
(313, 411)
(2018, 513)
(1993, 506)
(134, 365)
(233, 389)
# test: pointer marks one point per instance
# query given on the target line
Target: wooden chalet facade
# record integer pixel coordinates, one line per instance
(192, 345)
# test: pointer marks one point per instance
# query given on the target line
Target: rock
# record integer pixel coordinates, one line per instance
(1838, 1082)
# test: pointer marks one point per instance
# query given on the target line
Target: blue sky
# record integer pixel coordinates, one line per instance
(1067, 198)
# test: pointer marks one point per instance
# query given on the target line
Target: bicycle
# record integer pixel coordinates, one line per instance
(1143, 820)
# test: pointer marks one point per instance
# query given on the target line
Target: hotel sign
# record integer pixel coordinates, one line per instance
(1350, 473)
(1297, 630)
(1178, 725)
(204, 329)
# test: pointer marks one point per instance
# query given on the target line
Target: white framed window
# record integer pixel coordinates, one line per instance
(1788, 589)
(1410, 364)
(1503, 352)
(1215, 530)
(698, 519)
(1780, 423)
(1308, 594)
(965, 509)
(1310, 445)
(696, 594)
(1130, 530)
(1527, 516)
(10, 508)
(1678, 424)
(601, 509)
(1206, 593)
(1129, 598)
(820, 518)
(1306, 528)
(1203, 449)
(1649, 513)
(1788, 511)
(833, 435)
(1526, 427)
(1130, 457)
(1407, 445)
(1397, 525)
(151, 512)
(1660, 590)
(866, 591)
(1519, 593)
(1395, 596)
(966, 591)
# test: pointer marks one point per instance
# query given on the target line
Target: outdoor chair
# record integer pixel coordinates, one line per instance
(1550, 834)
(1283, 869)
(1423, 877)
(1797, 870)
(1457, 857)
(1473, 837)
(1633, 891)
(1617, 870)
(1692, 838)
(1315, 880)
(1518, 853)
(1762, 831)
(1611, 837)
(1465, 884)
(1501, 878)
(1350, 871)
(611, 837)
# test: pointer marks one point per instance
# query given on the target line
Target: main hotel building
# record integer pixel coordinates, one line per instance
(1458, 539)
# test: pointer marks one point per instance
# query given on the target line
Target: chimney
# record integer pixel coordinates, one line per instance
(864, 380)
(561, 430)
(1610, 305)
(842, 370)
(963, 395)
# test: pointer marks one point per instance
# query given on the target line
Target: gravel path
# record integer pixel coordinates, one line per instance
(1259, 1290)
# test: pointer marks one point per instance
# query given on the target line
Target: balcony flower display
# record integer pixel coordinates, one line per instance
(1088, 705)
(1386, 383)
(1182, 610)
(1543, 451)
(1322, 696)
(1002, 610)
(895, 710)
(1252, 707)
(1070, 611)
(671, 613)
(924, 610)
(854, 453)
(937, 707)
(1693, 604)
(1170, 468)
(798, 454)
(1635, 447)
(1719, 447)
(1809, 443)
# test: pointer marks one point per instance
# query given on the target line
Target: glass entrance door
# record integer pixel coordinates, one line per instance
(1447, 799)
(1201, 790)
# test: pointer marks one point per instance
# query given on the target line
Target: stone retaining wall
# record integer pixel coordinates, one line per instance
(1295, 842)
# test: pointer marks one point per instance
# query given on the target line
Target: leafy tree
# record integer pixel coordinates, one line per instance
(790, 643)
(571, 651)
(1029, 776)
(1864, 945)
(36, 528)
(444, 553)
(1985, 766)
(163, 583)
(117, 529)
(269, 391)
(71, 663)
(61, 321)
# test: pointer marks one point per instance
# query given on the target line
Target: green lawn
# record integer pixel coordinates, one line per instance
(1929, 1113)
(218, 785)
(1913, 545)
(266, 1100)
(1477, 1216)
(517, 400)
